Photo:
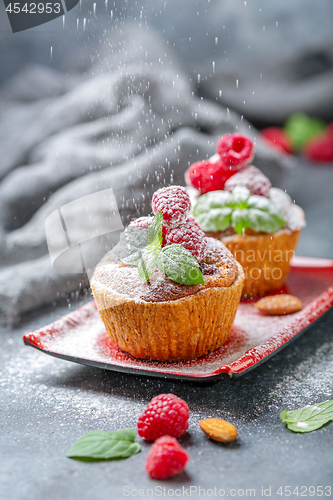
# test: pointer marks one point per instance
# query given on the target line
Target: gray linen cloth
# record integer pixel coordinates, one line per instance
(132, 123)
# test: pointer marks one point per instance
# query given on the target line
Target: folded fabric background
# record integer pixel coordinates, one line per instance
(132, 123)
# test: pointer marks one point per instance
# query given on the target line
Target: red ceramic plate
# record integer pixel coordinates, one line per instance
(81, 337)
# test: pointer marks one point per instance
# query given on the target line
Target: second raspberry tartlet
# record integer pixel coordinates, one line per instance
(259, 224)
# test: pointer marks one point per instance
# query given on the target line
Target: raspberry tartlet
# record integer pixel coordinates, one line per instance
(258, 223)
(167, 292)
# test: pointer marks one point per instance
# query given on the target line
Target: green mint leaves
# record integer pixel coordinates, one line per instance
(102, 445)
(179, 265)
(219, 210)
(130, 246)
(143, 248)
(154, 232)
(309, 418)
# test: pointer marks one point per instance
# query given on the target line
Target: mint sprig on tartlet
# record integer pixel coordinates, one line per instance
(143, 248)
(220, 210)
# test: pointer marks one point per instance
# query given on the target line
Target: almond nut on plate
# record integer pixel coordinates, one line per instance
(279, 304)
(218, 429)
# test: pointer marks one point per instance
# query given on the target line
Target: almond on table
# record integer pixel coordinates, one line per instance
(218, 429)
(279, 304)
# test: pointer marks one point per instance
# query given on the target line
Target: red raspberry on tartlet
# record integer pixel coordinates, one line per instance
(166, 458)
(278, 138)
(190, 236)
(165, 414)
(253, 179)
(174, 203)
(191, 219)
(236, 151)
(207, 176)
(141, 223)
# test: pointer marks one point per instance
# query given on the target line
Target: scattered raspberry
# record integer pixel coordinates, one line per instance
(165, 414)
(320, 147)
(190, 236)
(174, 203)
(236, 151)
(166, 458)
(253, 179)
(278, 138)
(207, 176)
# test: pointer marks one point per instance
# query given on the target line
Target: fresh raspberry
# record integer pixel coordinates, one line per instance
(236, 151)
(253, 179)
(174, 203)
(140, 223)
(278, 139)
(165, 414)
(166, 458)
(190, 236)
(207, 176)
(320, 147)
(191, 219)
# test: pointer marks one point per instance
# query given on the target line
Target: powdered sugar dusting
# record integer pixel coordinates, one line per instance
(293, 214)
(30, 377)
(253, 179)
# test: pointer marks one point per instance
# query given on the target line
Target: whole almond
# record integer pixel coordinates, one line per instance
(218, 429)
(279, 304)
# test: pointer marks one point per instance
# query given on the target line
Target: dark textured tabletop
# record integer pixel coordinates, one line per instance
(48, 403)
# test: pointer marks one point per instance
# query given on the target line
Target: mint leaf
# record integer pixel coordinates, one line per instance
(263, 222)
(154, 232)
(309, 418)
(240, 195)
(264, 204)
(217, 219)
(259, 202)
(209, 201)
(101, 445)
(137, 246)
(240, 220)
(179, 265)
(218, 210)
(147, 263)
(131, 243)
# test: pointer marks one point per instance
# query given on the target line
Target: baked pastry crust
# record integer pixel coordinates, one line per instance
(180, 329)
(264, 257)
